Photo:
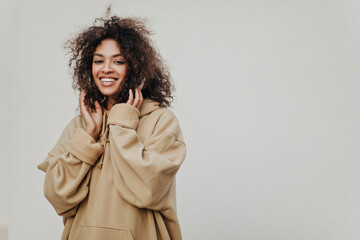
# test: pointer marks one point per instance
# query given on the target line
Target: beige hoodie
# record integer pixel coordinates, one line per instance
(121, 186)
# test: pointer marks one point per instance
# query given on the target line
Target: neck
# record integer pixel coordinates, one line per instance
(109, 104)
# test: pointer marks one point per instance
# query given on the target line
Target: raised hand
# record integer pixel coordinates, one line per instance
(137, 102)
(93, 119)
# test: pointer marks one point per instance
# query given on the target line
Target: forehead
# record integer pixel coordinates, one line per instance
(108, 47)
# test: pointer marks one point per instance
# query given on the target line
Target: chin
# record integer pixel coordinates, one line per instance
(107, 94)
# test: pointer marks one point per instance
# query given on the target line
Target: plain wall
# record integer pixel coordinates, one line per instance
(267, 97)
(5, 119)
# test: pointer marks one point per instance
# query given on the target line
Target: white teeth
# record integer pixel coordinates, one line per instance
(107, 79)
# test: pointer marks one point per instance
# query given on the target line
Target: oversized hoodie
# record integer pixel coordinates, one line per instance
(121, 186)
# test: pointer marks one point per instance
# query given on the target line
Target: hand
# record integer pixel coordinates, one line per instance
(93, 120)
(137, 102)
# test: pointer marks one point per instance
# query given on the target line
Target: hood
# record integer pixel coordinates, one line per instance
(149, 106)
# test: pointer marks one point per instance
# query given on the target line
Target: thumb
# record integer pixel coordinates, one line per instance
(98, 111)
(97, 106)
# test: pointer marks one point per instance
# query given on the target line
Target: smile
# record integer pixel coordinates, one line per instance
(108, 79)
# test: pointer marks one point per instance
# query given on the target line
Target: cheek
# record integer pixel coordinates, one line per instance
(94, 71)
(122, 70)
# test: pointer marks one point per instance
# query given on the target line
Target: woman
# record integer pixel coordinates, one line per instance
(111, 175)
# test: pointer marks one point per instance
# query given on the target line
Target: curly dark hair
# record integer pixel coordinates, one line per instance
(144, 63)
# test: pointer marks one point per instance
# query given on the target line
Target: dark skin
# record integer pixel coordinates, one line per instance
(93, 119)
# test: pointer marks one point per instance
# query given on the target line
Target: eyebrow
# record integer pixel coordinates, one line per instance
(115, 55)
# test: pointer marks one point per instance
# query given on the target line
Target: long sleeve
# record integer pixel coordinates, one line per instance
(144, 173)
(67, 168)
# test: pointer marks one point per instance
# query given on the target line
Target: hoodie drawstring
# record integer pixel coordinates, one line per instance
(104, 139)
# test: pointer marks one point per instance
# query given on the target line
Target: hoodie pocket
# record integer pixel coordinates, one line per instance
(101, 233)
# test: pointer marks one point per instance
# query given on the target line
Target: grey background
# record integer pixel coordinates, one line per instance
(267, 96)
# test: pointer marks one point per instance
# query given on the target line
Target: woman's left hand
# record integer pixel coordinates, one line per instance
(137, 102)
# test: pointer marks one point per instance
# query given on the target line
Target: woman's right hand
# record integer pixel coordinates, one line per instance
(93, 120)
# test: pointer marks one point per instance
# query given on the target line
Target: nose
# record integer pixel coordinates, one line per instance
(107, 68)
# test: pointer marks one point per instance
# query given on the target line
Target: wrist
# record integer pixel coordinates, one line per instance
(93, 133)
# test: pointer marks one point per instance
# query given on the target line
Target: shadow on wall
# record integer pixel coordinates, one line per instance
(3, 232)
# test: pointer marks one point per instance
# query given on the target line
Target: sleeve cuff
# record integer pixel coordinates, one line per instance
(125, 115)
(84, 147)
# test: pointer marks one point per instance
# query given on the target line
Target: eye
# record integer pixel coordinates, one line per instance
(119, 62)
(98, 61)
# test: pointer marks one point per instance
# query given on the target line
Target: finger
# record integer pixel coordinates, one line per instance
(137, 98)
(97, 107)
(81, 97)
(97, 115)
(83, 108)
(131, 97)
(81, 101)
(98, 110)
(141, 98)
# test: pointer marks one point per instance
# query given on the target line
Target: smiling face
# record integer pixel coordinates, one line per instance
(108, 67)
